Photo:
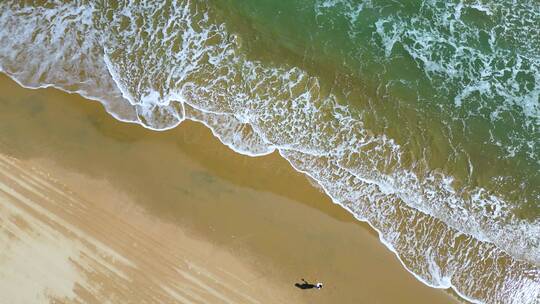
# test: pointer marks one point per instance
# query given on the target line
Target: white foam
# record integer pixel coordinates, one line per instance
(472, 69)
(186, 67)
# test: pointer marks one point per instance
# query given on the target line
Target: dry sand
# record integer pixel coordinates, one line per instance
(97, 211)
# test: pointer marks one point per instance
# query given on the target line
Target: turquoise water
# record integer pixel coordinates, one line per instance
(420, 118)
(468, 71)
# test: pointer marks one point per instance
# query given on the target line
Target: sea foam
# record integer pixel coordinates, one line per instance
(157, 64)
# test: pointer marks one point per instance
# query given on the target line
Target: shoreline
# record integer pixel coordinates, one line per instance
(276, 200)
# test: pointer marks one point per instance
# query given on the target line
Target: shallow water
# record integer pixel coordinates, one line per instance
(421, 119)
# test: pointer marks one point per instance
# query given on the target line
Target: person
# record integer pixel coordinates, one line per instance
(306, 285)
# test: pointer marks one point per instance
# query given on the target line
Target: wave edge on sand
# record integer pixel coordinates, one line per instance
(276, 108)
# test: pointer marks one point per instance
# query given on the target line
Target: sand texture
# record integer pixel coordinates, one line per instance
(93, 210)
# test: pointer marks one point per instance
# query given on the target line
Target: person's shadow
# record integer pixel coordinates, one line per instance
(306, 285)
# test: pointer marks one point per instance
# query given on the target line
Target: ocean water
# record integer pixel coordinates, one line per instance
(421, 118)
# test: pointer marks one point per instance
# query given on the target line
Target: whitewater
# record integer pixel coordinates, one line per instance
(159, 63)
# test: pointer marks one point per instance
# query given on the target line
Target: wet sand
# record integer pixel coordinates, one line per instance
(95, 210)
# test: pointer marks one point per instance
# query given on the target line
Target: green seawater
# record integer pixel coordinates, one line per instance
(420, 118)
(455, 83)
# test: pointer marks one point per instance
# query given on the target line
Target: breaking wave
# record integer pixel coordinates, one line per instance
(158, 64)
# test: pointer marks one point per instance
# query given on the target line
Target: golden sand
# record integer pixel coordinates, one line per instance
(93, 210)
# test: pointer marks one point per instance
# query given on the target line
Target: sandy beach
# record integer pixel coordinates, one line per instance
(93, 210)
